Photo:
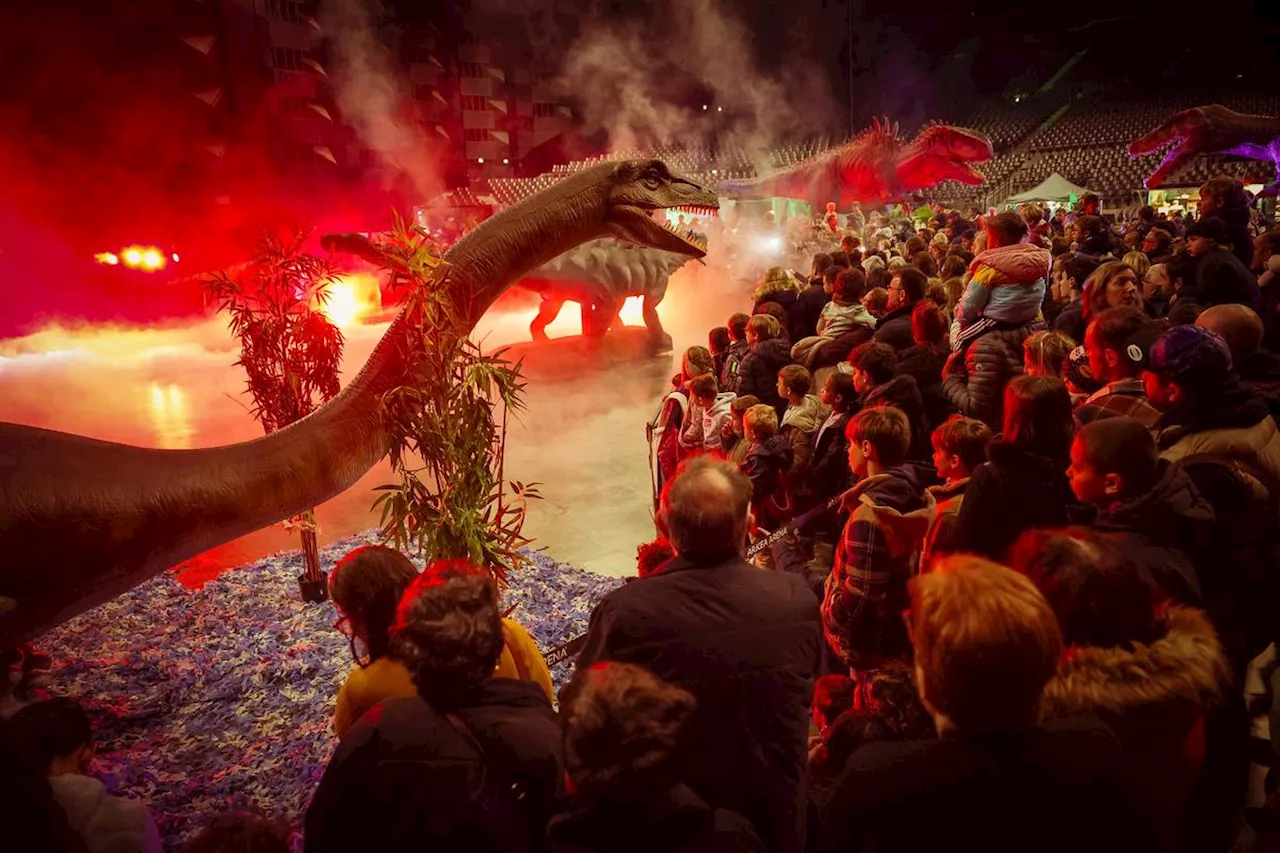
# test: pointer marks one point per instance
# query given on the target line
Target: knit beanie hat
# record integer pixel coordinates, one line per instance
(1191, 356)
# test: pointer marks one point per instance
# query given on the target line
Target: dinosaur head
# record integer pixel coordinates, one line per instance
(639, 187)
(941, 152)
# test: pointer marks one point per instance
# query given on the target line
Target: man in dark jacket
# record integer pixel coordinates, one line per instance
(986, 644)
(905, 290)
(1242, 329)
(1149, 505)
(758, 372)
(744, 642)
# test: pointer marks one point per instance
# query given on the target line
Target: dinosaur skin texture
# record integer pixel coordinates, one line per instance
(599, 276)
(83, 520)
(876, 166)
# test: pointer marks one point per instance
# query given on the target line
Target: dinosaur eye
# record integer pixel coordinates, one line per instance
(651, 178)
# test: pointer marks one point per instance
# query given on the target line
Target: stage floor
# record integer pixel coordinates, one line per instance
(582, 436)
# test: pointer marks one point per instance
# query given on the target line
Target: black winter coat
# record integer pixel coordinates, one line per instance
(745, 643)
(1057, 788)
(829, 473)
(1169, 529)
(758, 372)
(977, 390)
(787, 299)
(1221, 279)
(809, 307)
(902, 393)
(924, 363)
(1014, 491)
(1070, 320)
(678, 821)
(404, 776)
(894, 328)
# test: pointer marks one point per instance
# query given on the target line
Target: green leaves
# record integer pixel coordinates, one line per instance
(446, 443)
(290, 351)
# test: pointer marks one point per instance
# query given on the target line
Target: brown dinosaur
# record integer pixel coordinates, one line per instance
(83, 520)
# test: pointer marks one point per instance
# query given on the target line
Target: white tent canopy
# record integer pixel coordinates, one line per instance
(1053, 188)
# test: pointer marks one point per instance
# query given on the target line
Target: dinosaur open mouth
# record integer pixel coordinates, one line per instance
(634, 223)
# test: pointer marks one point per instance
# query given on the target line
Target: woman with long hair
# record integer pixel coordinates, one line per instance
(469, 763)
(366, 586)
(1023, 484)
(1112, 285)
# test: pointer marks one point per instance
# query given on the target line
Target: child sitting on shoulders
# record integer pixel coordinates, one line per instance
(769, 457)
(840, 315)
(709, 415)
(959, 446)
(732, 435)
(1007, 283)
(804, 415)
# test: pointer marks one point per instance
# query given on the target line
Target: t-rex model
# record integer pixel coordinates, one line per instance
(599, 276)
(83, 520)
(875, 166)
(1211, 129)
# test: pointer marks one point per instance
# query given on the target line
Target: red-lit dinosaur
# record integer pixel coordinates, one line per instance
(1210, 129)
(874, 167)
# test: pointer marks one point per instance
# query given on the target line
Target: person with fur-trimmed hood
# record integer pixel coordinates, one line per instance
(1154, 673)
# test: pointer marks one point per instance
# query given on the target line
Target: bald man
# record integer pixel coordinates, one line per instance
(745, 642)
(1242, 329)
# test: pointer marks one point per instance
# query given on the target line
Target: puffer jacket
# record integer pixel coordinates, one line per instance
(976, 389)
(1008, 283)
(758, 372)
(1156, 697)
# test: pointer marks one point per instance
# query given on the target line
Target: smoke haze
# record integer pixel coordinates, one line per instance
(626, 78)
(369, 93)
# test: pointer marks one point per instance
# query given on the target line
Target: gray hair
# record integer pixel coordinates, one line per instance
(704, 507)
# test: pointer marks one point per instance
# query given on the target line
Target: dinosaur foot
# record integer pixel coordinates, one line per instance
(660, 344)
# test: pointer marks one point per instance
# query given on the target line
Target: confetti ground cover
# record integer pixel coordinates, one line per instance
(222, 697)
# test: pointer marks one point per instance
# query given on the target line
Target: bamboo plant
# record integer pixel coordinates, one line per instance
(290, 350)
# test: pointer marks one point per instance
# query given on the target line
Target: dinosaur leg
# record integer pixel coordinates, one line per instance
(659, 340)
(547, 312)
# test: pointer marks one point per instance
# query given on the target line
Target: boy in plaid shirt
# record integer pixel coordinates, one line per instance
(889, 514)
(1117, 341)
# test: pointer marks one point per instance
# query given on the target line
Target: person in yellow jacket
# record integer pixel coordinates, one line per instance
(366, 587)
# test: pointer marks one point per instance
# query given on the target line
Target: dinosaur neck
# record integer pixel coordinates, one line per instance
(137, 511)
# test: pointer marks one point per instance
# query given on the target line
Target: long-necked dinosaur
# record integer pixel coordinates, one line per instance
(82, 520)
(875, 166)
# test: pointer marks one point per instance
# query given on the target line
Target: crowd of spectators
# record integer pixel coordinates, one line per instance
(967, 536)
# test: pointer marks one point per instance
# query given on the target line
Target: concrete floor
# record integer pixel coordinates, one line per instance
(582, 436)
